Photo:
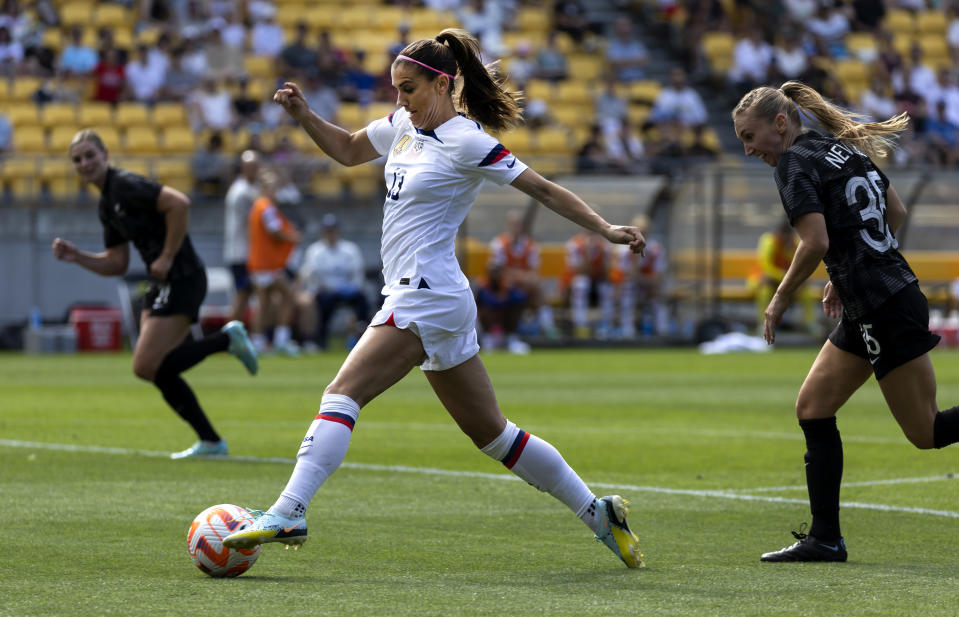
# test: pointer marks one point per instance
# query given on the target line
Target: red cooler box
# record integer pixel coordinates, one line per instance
(98, 328)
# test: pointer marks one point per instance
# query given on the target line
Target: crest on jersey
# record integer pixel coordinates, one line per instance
(402, 144)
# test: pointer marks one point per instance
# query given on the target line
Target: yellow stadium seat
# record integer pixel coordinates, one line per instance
(178, 140)
(288, 14)
(533, 19)
(95, 113)
(76, 14)
(60, 138)
(861, 43)
(645, 91)
(572, 115)
(131, 114)
(932, 23)
(379, 110)
(63, 188)
(259, 67)
(552, 141)
(637, 114)
(934, 49)
(899, 21)
(350, 116)
(141, 140)
(325, 185)
(136, 164)
(13, 167)
(56, 114)
(718, 49)
(23, 87)
(355, 17)
(852, 71)
(169, 114)
(110, 137)
(519, 141)
(55, 168)
(540, 89)
(584, 67)
(21, 114)
(573, 91)
(29, 139)
(112, 15)
(320, 17)
(174, 172)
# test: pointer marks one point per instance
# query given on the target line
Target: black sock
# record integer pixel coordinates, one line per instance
(823, 476)
(191, 352)
(177, 393)
(945, 429)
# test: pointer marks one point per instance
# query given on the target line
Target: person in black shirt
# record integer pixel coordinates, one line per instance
(154, 217)
(846, 213)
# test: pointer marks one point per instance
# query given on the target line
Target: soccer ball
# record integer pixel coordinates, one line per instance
(204, 541)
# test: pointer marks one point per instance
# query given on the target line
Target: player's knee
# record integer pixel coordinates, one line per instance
(144, 370)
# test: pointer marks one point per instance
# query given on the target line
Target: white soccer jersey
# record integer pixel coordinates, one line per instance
(432, 179)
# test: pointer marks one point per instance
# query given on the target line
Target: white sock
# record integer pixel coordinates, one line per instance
(321, 453)
(579, 300)
(541, 465)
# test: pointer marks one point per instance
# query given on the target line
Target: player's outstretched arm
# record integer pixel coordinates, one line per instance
(111, 262)
(336, 142)
(565, 203)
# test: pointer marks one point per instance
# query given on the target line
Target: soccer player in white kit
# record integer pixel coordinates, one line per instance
(437, 160)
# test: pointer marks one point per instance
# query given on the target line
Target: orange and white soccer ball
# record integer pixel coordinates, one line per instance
(204, 541)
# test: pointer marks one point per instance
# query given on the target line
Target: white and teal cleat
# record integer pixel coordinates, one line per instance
(203, 449)
(241, 346)
(269, 527)
(615, 533)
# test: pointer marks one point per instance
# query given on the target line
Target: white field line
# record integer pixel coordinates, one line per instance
(429, 471)
(802, 487)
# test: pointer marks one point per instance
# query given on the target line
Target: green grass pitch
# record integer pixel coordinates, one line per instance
(418, 522)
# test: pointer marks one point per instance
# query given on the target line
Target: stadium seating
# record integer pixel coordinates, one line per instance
(58, 114)
(95, 113)
(141, 139)
(178, 140)
(717, 47)
(129, 114)
(30, 139)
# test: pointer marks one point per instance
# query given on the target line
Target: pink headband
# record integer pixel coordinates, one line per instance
(402, 57)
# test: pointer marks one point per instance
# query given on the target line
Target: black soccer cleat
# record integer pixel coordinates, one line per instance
(809, 548)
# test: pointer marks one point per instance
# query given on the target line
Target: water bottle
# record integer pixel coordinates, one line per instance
(36, 320)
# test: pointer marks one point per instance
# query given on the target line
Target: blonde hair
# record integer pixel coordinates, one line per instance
(482, 95)
(88, 135)
(876, 139)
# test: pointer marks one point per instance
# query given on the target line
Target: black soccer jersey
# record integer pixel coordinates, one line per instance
(818, 173)
(128, 212)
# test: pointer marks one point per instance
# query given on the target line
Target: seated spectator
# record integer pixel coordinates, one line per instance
(610, 106)
(194, 58)
(193, 18)
(484, 20)
(591, 158)
(640, 282)
(272, 238)
(222, 60)
(211, 106)
(211, 167)
(790, 59)
(536, 114)
(329, 59)
(665, 150)
(321, 97)
(942, 138)
(499, 308)
(332, 275)
(6, 135)
(624, 147)
(298, 59)
(952, 30)
(11, 54)
(752, 58)
(950, 94)
(178, 82)
(77, 58)
(515, 258)
(231, 30)
(266, 36)
(522, 66)
(829, 26)
(551, 61)
(402, 40)
(698, 148)
(357, 84)
(569, 16)
(876, 101)
(144, 79)
(679, 101)
(625, 53)
(586, 284)
(867, 15)
(246, 109)
(110, 78)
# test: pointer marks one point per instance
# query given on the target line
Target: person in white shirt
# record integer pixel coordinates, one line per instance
(437, 160)
(332, 274)
(239, 199)
(678, 101)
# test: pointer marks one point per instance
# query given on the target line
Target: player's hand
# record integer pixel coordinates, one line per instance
(831, 304)
(774, 316)
(160, 268)
(64, 250)
(292, 100)
(625, 234)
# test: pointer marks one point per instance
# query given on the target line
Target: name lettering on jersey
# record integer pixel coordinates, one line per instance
(838, 155)
(402, 144)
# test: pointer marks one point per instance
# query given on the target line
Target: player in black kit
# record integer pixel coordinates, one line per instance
(154, 217)
(846, 213)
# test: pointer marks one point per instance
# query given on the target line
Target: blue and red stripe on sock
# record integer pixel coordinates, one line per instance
(515, 450)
